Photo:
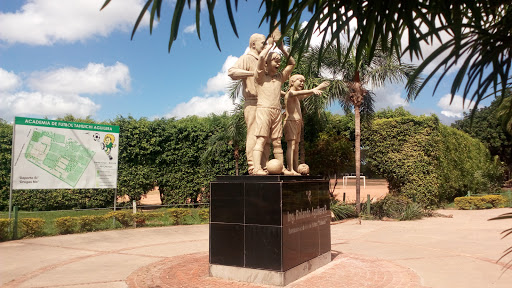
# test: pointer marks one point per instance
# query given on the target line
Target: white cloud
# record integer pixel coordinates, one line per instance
(93, 79)
(190, 29)
(220, 82)
(202, 106)
(44, 22)
(42, 104)
(56, 93)
(8, 80)
(389, 96)
(456, 108)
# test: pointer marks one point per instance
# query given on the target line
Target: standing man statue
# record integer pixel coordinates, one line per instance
(244, 70)
(268, 112)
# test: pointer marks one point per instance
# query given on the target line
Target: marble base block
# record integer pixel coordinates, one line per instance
(268, 229)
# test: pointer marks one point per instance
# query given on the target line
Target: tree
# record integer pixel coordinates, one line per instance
(233, 133)
(5, 162)
(429, 162)
(330, 156)
(348, 82)
(485, 125)
(504, 112)
(479, 29)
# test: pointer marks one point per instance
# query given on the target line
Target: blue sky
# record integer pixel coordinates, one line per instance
(61, 57)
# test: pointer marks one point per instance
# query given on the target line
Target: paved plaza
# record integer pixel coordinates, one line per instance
(434, 252)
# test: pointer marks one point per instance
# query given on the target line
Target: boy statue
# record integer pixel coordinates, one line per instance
(293, 118)
(268, 111)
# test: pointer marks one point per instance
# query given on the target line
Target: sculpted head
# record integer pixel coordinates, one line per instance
(273, 62)
(297, 81)
(257, 42)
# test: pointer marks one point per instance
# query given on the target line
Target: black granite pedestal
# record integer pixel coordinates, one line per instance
(268, 229)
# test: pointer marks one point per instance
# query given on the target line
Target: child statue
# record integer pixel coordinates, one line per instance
(268, 112)
(293, 118)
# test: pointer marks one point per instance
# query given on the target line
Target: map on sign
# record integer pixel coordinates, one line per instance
(53, 154)
(64, 158)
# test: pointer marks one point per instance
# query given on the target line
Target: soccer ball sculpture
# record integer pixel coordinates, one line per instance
(303, 169)
(274, 167)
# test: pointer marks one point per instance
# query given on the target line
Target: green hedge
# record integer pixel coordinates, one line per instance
(31, 227)
(429, 162)
(480, 202)
(4, 229)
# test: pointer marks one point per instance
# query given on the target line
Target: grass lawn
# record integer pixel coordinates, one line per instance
(165, 218)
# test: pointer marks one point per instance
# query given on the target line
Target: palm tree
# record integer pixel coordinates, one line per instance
(350, 84)
(504, 112)
(233, 134)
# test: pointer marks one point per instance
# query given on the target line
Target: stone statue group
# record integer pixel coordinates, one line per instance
(261, 84)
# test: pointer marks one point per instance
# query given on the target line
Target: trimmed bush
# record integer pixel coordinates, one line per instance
(204, 215)
(497, 201)
(66, 225)
(140, 218)
(480, 202)
(31, 227)
(4, 229)
(124, 217)
(178, 215)
(90, 223)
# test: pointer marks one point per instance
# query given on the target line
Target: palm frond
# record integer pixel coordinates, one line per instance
(235, 90)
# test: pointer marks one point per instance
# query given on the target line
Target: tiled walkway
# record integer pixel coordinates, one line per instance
(434, 252)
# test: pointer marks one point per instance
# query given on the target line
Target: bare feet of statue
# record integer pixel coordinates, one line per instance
(295, 173)
(259, 171)
(287, 173)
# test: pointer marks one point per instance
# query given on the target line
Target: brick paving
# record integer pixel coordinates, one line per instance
(345, 270)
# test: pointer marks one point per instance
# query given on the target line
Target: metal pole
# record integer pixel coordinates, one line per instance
(115, 198)
(12, 166)
(15, 224)
(115, 202)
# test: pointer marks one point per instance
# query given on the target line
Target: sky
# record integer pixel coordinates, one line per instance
(60, 57)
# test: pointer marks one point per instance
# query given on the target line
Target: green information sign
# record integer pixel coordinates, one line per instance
(50, 154)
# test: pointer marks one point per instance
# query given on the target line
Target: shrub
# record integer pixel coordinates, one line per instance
(497, 201)
(32, 227)
(124, 217)
(141, 218)
(391, 206)
(342, 211)
(4, 229)
(430, 162)
(468, 203)
(66, 225)
(204, 215)
(179, 214)
(90, 223)
(480, 202)
(412, 211)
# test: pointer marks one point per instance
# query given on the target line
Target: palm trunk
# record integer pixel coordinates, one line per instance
(357, 120)
(237, 156)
